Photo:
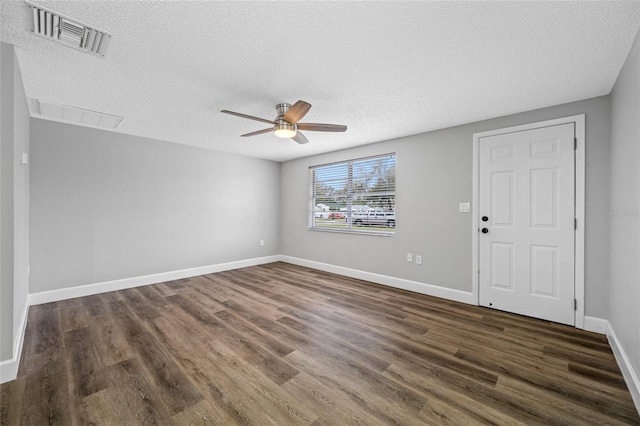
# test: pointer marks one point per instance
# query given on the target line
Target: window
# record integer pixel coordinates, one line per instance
(354, 196)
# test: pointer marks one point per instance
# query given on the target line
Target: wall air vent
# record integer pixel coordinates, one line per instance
(69, 114)
(70, 32)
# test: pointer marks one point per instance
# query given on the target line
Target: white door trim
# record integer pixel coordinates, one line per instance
(579, 123)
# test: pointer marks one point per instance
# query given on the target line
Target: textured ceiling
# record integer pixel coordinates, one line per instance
(385, 69)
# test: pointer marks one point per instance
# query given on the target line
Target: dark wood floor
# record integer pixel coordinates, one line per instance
(280, 344)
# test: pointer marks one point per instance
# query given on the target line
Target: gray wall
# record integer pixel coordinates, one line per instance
(107, 206)
(625, 198)
(433, 176)
(14, 201)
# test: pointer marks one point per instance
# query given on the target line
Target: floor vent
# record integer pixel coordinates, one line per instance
(69, 114)
(70, 32)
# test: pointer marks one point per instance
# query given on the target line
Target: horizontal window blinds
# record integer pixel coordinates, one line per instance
(354, 196)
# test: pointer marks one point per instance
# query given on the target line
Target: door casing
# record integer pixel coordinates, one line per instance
(579, 125)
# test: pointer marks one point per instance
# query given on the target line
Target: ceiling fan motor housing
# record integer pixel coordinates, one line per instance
(282, 110)
(283, 128)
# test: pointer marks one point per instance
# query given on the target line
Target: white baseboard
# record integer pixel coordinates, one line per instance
(103, 287)
(597, 325)
(628, 372)
(418, 287)
(9, 368)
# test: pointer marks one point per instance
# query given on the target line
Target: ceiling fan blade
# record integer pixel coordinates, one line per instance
(259, 132)
(322, 127)
(297, 111)
(250, 117)
(300, 138)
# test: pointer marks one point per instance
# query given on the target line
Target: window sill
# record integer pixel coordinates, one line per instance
(356, 232)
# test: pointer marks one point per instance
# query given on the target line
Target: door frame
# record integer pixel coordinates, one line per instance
(579, 126)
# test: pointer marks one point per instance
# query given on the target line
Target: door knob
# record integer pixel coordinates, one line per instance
(484, 218)
(485, 230)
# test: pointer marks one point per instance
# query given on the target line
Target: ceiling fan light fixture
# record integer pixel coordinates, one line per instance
(284, 129)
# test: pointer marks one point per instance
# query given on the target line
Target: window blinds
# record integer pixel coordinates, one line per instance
(354, 196)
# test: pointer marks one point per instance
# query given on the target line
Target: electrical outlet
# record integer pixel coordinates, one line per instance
(409, 257)
(418, 259)
(261, 243)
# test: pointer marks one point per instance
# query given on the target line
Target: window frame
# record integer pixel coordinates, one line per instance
(350, 229)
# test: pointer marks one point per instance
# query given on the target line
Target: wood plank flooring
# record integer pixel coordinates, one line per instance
(284, 345)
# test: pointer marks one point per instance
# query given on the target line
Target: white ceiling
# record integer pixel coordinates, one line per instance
(385, 69)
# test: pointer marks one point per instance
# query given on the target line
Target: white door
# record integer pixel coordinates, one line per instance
(526, 219)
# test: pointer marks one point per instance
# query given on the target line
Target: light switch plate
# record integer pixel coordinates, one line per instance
(24, 159)
(464, 207)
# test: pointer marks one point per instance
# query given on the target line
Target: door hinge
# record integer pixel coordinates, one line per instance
(575, 304)
(575, 143)
(575, 223)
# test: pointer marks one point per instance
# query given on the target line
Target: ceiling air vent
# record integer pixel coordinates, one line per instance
(69, 114)
(67, 31)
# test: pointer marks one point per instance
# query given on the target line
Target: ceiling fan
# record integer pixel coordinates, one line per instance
(286, 123)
